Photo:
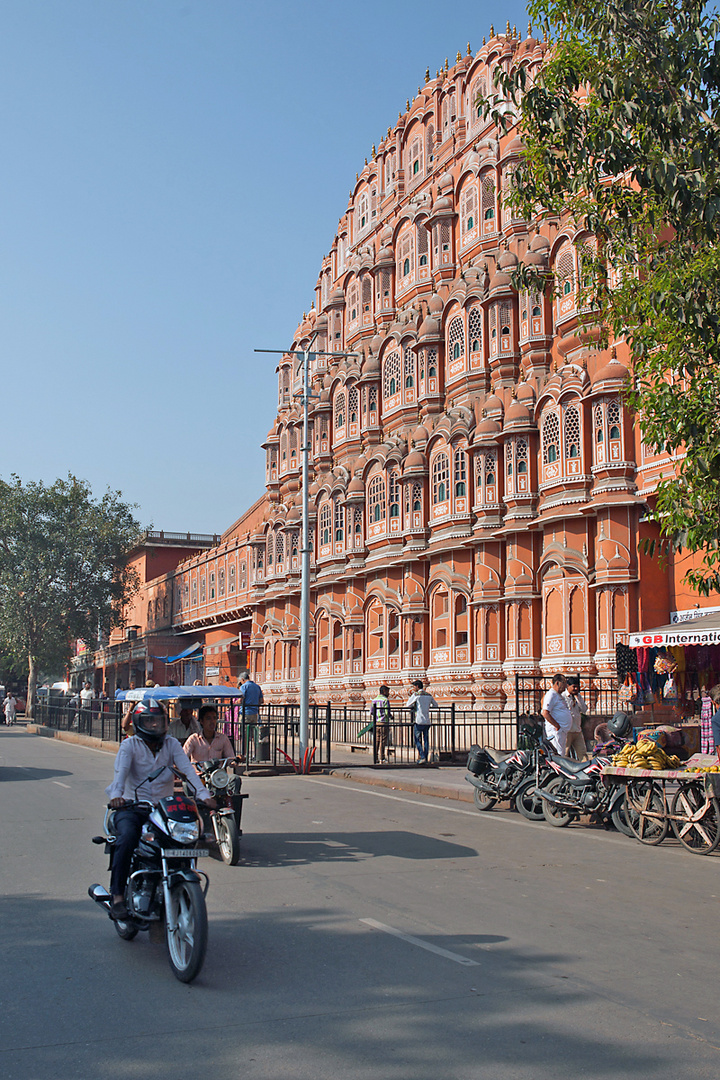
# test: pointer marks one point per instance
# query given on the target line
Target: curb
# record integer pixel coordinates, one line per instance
(415, 787)
(72, 737)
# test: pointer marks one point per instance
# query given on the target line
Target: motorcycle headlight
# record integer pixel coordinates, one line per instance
(219, 778)
(185, 832)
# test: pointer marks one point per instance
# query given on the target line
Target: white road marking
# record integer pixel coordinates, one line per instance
(60, 783)
(420, 943)
(360, 790)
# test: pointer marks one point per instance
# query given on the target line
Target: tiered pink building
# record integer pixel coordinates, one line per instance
(478, 489)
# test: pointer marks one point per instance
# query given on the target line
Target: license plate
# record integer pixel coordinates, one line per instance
(185, 853)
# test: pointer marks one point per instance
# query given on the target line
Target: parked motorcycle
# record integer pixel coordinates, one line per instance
(574, 788)
(513, 776)
(164, 886)
(225, 820)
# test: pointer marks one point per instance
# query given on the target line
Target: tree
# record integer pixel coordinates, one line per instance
(622, 139)
(63, 572)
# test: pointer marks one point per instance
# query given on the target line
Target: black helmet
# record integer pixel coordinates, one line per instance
(620, 725)
(150, 722)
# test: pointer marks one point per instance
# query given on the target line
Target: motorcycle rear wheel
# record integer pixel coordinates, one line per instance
(556, 815)
(187, 945)
(229, 840)
(528, 802)
(483, 801)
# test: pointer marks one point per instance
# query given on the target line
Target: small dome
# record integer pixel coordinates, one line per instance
(421, 434)
(507, 260)
(416, 460)
(430, 328)
(435, 304)
(487, 429)
(327, 381)
(536, 258)
(337, 296)
(385, 255)
(313, 489)
(441, 204)
(494, 406)
(500, 280)
(377, 343)
(515, 147)
(517, 414)
(371, 365)
(324, 395)
(614, 370)
(386, 235)
(359, 464)
(295, 514)
(525, 393)
(356, 486)
(322, 321)
(540, 243)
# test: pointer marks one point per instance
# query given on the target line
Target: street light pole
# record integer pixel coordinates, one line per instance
(305, 357)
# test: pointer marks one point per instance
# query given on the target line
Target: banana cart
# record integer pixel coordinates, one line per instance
(681, 800)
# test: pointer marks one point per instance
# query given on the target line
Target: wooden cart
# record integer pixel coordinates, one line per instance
(657, 800)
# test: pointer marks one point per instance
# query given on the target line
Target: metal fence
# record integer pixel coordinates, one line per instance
(271, 738)
(600, 694)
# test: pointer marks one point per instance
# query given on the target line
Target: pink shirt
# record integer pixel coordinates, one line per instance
(198, 748)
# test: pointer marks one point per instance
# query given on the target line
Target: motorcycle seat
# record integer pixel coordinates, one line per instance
(498, 756)
(570, 765)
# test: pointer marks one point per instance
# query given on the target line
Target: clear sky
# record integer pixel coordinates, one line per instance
(173, 172)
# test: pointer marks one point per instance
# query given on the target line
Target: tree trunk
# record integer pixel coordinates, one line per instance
(32, 685)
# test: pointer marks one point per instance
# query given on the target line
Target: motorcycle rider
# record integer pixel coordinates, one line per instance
(139, 755)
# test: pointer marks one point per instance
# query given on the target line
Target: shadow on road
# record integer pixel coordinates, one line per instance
(16, 772)
(306, 994)
(277, 849)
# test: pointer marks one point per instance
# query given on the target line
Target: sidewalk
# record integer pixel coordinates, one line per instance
(445, 782)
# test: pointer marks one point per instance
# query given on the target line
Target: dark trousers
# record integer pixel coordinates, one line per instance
(127, 828)
(422, 740)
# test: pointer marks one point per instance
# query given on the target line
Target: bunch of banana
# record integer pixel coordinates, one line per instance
(645, 755)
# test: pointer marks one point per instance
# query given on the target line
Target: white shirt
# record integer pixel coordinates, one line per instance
(86, 696)
(556, 705)
(9, 704)
(135, 760)
(577, 707)
(177, 729)
(421, 701)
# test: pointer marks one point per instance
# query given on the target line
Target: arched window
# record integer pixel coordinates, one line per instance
(423, 244)
(409, 368)
(406, 256)
(353, 404)
(325, 524)
(376, 499)
(468, 207)
(571, 425)
(565, 274)
(394, 493)
(429, 145)
(461, 620)
(366, 294)
(456, 338)
(551, 438)
(432, 364)
(279, 548)
(270, 548)
(415, 158)
(475, 329)
(339, 410)
(363, 216)
(613, 415)
(478, 93)
(440, 478)
(339, 520)
(488, 197)
(460, 473)
(521, 456)
(391, 374)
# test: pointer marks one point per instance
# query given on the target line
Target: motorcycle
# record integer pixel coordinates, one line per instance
(164, 885)
(513, 776)
(573, 788)
(226, 819)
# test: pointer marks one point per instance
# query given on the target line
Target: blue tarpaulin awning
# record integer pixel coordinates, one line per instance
(177, 693)
(193, 652)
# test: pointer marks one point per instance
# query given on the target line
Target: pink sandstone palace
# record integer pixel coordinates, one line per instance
(478, 490)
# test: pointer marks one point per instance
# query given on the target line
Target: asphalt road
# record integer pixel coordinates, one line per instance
(367, 934)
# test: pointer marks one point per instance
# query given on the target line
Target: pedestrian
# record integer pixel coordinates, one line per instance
(128, 707)
(9, 708)
(575, 740)
(556, 714)
(252, 698)
(381, 716)
(420, 701)
(707, 708)
(715, 718)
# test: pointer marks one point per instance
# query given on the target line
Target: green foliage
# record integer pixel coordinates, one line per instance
(62, 568)
(622, 140)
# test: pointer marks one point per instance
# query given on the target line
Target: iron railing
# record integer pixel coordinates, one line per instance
(101, 719)
(600, 694)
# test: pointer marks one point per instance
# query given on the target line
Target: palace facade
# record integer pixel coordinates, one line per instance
(478, 489)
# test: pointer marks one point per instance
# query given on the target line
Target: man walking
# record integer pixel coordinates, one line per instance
(421, 702)
(9, 708)
(380, 714)
(556, 714)
(251, 698)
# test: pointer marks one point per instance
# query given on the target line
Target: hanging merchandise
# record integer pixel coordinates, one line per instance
(670, 693)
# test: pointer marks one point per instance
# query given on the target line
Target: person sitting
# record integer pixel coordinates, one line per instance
(212, 744)
(185, 725)
(140, 755)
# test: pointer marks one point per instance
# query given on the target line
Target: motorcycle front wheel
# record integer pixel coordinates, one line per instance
(186, 944)
(556, 815)
(528, 802)
(483, 801)
(228, 839)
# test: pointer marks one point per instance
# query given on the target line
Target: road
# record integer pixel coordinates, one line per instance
(367, 934)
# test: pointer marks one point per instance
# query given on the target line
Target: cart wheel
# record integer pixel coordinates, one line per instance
(644, 796)
(696, 819)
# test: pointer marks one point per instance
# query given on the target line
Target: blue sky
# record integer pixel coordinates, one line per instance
(173, 172)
